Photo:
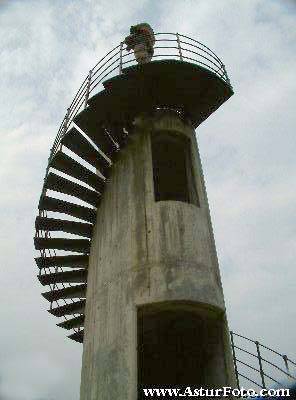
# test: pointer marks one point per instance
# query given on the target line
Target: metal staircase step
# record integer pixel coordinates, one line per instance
(56, 205)
(89, 124)
(63, 185)
(76, 245)
(75, 322)
(78, 291)
(72, 308)
(76, 276)
(53, 224)
(62, 162)
(72, 261)
(77, 336)
(84, 149)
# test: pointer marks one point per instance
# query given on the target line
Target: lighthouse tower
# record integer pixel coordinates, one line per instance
(149, 305)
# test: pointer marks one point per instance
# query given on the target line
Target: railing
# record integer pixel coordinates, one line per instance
(167, 45)
(253, 364)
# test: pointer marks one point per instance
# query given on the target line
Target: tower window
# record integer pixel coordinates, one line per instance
(172, 168)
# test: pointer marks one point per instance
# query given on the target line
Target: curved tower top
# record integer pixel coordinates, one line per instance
(183, 74)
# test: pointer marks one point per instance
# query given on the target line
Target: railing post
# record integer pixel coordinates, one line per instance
(291, 378)
(234, 359)
(120, 58)
(179, 46)
(260, 365)
(226, 76)
(285, 358)
(66, 121)
(87, 88)
(65, 127)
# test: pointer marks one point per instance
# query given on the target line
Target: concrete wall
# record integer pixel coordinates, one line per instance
(144, 252)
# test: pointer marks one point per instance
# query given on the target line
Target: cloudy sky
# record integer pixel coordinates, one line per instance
(248, 151)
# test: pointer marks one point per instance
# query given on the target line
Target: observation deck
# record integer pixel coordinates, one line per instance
(183, 74)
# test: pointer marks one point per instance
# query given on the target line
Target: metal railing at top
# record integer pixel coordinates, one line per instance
(253, 363)
(167, 45)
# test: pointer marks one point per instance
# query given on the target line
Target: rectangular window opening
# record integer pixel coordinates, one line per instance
(173, 174)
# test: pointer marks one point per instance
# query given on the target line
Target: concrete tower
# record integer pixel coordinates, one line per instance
(154, 312)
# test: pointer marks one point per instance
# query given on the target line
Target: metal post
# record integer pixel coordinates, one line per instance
(87, 88)
(260, 365)
(234, 359)
(64, 130)
(66, 121)
(120, 58)
(285, 358)
(179, 46)
(44, 189)
(226, 76)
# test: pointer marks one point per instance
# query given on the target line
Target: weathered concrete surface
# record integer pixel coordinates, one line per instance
(145, 252)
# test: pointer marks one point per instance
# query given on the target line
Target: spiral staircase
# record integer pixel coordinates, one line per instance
(96, 128)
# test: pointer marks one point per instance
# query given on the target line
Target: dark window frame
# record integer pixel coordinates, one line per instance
(172, 164)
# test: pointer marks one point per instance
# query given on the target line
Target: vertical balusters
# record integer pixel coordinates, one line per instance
(260, 364)
(179, 46)
(87, 88)
(120, 58)
(234, 358)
